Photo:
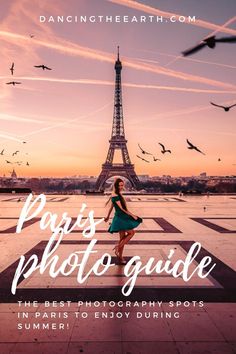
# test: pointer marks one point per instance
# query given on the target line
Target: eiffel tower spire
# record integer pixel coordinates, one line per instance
(118, 140)
(118, 122)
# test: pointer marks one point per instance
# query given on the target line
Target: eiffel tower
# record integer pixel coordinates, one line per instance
(117, 141)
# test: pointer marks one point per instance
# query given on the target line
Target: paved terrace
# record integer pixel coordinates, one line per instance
(169, 222)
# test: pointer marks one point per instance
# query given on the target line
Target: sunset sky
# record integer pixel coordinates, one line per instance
(65, 115)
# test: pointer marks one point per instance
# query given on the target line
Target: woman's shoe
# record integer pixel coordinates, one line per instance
(122, 260)
(116, 249)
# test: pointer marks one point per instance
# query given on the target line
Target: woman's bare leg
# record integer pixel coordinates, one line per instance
(126, 239)
(122, 236)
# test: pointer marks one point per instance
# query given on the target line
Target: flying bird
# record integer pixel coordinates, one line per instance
(209, 42)
(226, 108)
(2, 152)
(31, 35)
(8, 161)
(42, 67)
(15, 153)
(141, 158)
(23, 142)
(163, 151)
(155, 159)
(27, 163)
(193, 147)
(143, 151)
(13, 83)
(219, 159)
(12, 68)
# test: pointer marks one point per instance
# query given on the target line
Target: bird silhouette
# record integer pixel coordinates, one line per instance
(15, 153)
(13, 83)
(141, 158)
(143, 151)
(12, 68)
(163, 151)
(8, 161)
(2, 152)
(155, 159)
(42, 67)
(226, 108)
(219, 159)
(193, 147)
(23, 142)
(209, 42)
(27, 163)
(31, 35)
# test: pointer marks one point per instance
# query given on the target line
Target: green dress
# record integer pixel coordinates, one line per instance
(122, 221)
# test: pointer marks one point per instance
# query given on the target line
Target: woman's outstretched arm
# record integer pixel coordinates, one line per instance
(109, 213)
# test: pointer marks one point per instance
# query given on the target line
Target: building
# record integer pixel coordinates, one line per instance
(13, 174)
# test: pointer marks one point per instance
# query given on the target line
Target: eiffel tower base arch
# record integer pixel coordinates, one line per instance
(112, 170)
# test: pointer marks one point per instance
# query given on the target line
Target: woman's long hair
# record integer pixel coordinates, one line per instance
(117, 191)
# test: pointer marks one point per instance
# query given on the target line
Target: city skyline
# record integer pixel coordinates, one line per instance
(166, 98)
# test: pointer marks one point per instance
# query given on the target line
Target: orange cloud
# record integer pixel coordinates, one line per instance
(182, 112)
(111, 83)
(157, 12)
(9, 137)
(220, 29)
(77, 50)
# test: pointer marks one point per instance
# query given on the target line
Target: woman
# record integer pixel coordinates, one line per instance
(123, 221)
